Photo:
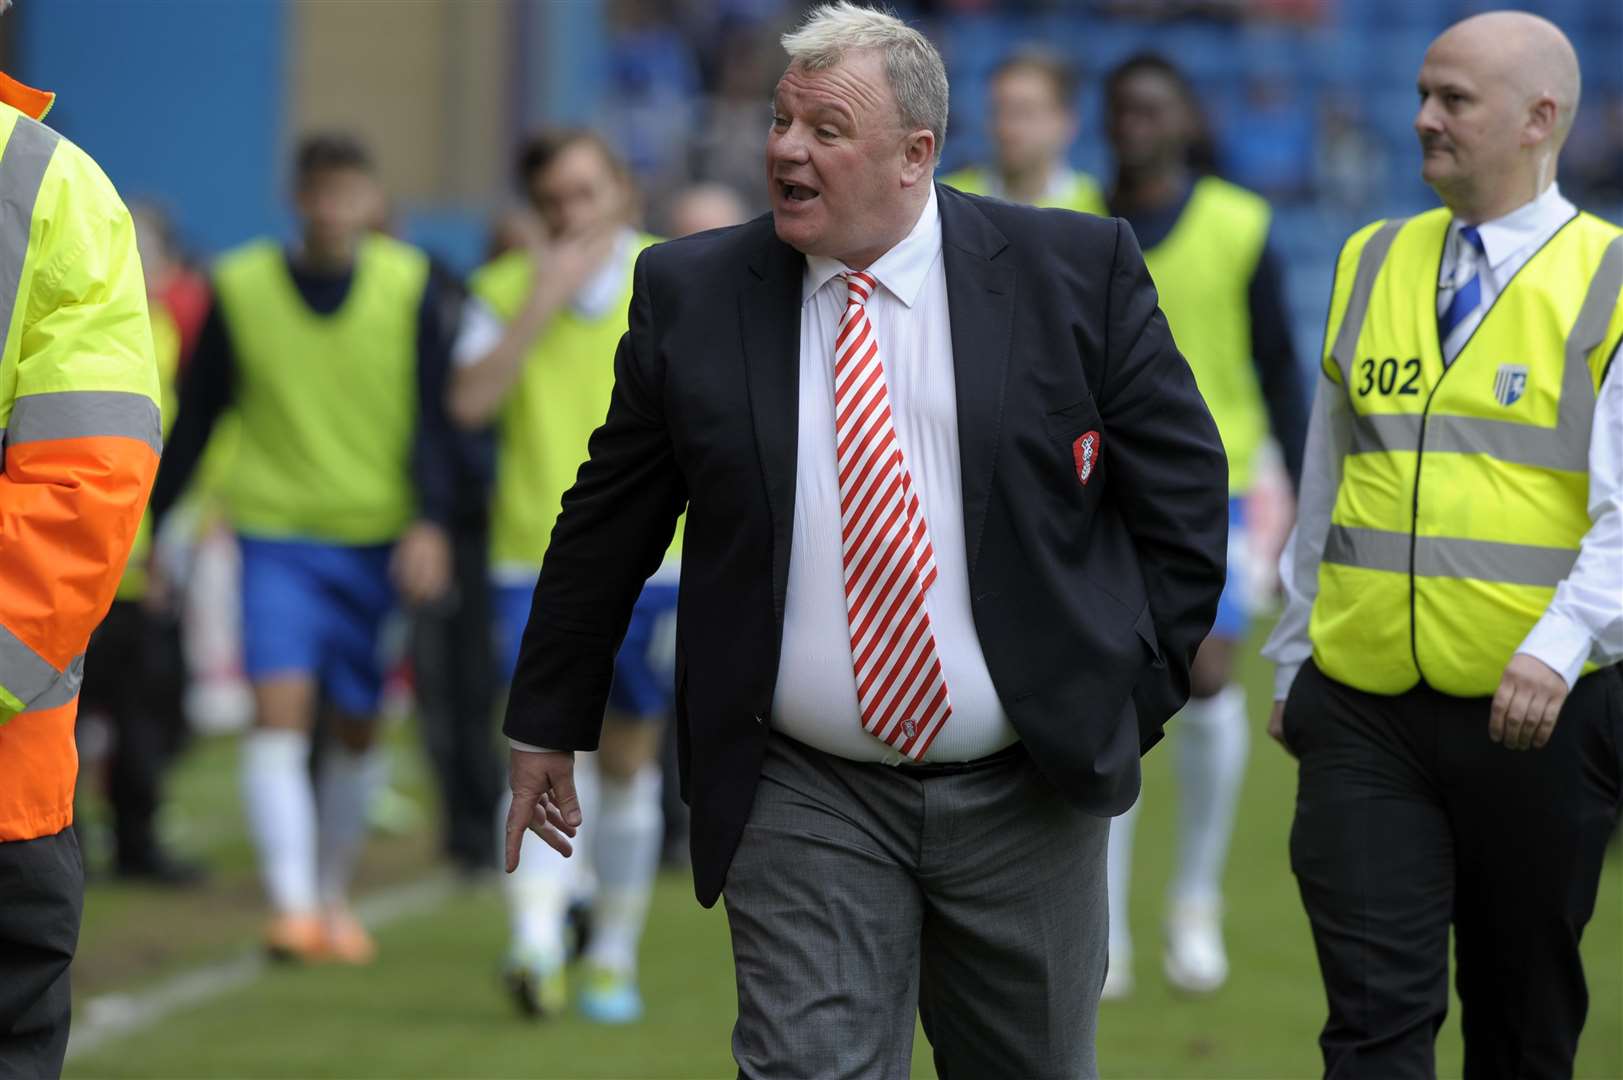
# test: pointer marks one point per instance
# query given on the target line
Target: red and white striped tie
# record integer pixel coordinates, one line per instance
(889, 563)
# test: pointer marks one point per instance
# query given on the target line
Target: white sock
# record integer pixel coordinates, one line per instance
(540, 890)
(1213, 740)
(629, 832)
(1118, 878)
(588, 789)
(281, 811)
(346, 783)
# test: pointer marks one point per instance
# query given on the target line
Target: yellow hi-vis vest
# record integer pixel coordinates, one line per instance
(327, 403)
(1202, 270)
(1082, 194)
(560, 398)
(1464, 494)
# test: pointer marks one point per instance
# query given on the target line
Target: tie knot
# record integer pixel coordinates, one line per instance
(858, 287)
(1473, 237)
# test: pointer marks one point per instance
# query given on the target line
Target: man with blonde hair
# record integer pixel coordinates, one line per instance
(955, 528)
(1448, 661)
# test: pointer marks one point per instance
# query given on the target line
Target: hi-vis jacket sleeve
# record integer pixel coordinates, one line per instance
(78, 405)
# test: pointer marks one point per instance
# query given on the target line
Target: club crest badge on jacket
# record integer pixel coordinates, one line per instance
(1086, 450)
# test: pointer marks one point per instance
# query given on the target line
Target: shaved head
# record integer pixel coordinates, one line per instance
(1498, 93)
(1528, 52)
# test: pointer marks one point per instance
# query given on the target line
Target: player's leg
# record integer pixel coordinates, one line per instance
(1119, 875)
(1212, 741)
(352, 767)
(282, 633)
(630, 823)
(538, 892)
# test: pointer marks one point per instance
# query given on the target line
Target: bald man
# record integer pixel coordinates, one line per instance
(702, 207)
(1449, 657)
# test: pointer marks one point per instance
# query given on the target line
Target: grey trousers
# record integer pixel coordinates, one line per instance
(861, 893)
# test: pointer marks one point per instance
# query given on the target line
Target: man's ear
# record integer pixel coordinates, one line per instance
(1542, 116)
(918, 156)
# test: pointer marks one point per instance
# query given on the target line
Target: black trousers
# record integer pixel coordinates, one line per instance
(42, 891)
(451, 657)
(135, 675)
(1408, 818)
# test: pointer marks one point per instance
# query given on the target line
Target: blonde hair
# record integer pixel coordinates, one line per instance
(917, 76)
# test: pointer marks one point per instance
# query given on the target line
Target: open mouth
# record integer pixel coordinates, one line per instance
(797, 192)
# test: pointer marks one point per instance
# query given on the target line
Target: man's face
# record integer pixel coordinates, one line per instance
(1148, 121)
(1030, 125)
(579, 192)
(337, 206)
(836, 159)
(1470, 119)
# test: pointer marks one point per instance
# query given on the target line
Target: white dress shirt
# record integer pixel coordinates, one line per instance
(815, 701)
(1584, 621)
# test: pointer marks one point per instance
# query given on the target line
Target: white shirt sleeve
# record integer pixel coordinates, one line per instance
(1329, 435)
(480, 331)
(516, 745)
(1585, 618)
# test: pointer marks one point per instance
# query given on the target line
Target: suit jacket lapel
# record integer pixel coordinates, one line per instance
(980, 302)
(769, 303)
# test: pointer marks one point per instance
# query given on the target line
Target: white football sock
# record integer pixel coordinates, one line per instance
(1213, 741)
(629, 832)
(588, 789)
(346, 783)
(1118, 878)
(281, 810)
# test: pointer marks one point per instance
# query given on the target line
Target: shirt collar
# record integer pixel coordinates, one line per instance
(1529, 223)
(605, 287)
(901, 270)
(25, 99)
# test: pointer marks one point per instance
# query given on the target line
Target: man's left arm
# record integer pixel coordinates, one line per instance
(421, 565)
(1584, 621)
(82, 439)
(1169, 477)
(1279, 370)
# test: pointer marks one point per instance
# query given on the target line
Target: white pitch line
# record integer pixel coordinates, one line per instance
(107, 1017)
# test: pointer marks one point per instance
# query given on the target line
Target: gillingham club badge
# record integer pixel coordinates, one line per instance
(1510, 384)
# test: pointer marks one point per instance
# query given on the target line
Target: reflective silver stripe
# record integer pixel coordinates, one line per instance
(80, 414)
(1487, 560)
(1381, 433)
(31, 679)
(1565, 446)
(1518, 444)
(1352, 320)
(1369, 549)
(22, 168)
(1588, 331)
(1446, 556)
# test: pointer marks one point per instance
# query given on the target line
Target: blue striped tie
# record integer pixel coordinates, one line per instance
(1470, 294)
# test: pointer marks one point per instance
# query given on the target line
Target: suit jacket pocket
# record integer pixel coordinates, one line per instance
(1064, 425)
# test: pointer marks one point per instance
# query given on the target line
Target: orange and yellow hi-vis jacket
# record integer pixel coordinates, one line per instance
(79, 431)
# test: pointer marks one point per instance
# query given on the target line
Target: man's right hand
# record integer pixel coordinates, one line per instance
(563, 266)
(543, 801)
(1276, 725)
